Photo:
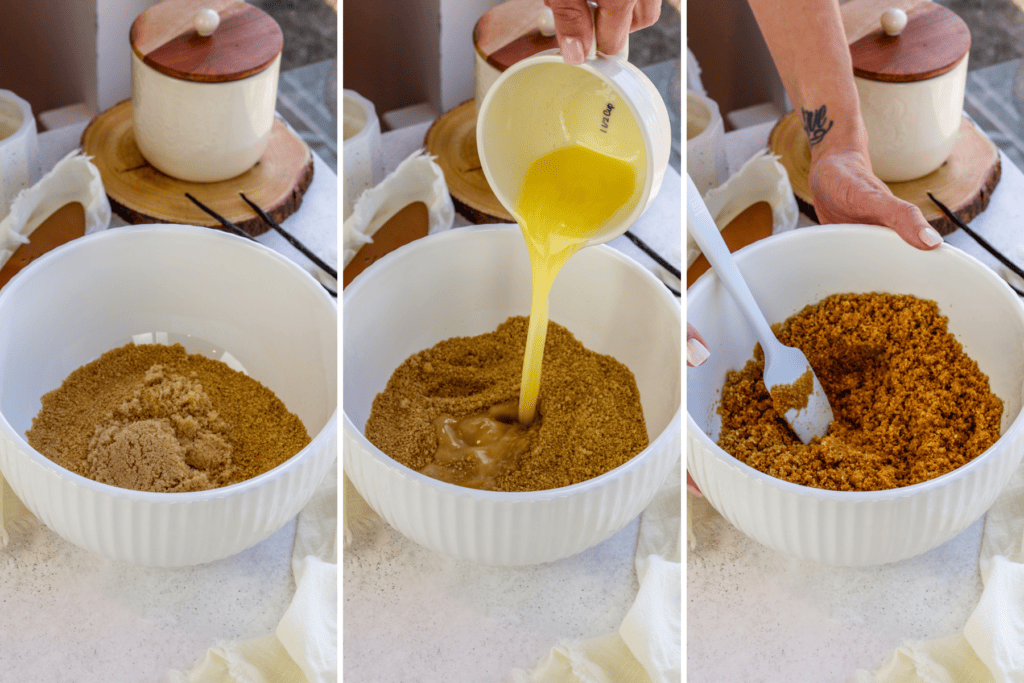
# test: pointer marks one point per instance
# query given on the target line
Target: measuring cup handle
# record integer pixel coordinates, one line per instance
(546, 25)
(592, 54)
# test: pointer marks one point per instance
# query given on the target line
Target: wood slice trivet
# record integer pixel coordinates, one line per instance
(964, 182)
(141, 194)
(452, 139)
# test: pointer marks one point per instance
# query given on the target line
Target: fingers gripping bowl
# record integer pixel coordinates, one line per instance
(799, 268)
(465, 282)
(210, 291)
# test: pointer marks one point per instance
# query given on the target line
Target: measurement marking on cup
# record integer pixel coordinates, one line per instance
(607, 115)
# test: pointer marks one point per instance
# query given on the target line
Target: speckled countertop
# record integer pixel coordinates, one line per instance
(756, 615)
(411, 614)
(68, 615)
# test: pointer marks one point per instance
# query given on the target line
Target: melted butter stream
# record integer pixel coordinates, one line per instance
(567, 196)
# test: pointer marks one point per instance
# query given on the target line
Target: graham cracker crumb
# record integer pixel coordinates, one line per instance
(589, 415)
(154, 418)
(908, 404)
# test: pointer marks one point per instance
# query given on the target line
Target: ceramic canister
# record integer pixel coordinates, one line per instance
(364, 165)
(911, 71)
(204, 86)
(705, 142)
(19, 151)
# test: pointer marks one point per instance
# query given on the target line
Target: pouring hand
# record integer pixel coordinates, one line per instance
(691, 486)
(613, 22)
(846, 191)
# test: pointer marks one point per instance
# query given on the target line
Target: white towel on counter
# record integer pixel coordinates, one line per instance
(991, 647)
(11, 511)
(314, 224)
(357, 515)
(646, 648)
(304, 646)
(654, 228)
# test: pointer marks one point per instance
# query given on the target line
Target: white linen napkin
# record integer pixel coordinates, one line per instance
(304, 646)
(417, 179)
(313, 224)
(13, 515)
(761, 179)
(73, 179)
(991, 647)
(357, 515)
(646, 648)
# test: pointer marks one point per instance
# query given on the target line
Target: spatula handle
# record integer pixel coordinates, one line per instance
(704, 231)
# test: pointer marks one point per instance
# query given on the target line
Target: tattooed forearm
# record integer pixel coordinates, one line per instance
(816, 124)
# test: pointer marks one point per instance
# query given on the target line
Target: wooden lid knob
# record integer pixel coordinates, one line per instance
(206, 22)
(210, 41)
(894, 20)
(546, 22)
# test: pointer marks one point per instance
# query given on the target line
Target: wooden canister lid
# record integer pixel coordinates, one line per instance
(933, 41)
(510, 32)
(244, 43)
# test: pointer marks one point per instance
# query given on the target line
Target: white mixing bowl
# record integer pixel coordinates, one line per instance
(802, 267)
(213, 293)
(466, 282)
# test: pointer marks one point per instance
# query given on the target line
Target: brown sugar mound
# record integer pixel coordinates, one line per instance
(589, 418)
(908, 404)
(154, 418)
(166, 437)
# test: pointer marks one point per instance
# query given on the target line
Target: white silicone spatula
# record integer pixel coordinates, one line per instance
(784, 366)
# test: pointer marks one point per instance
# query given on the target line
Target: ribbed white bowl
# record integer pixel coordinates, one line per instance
(467, 282)
(793, 270)
(211, 291)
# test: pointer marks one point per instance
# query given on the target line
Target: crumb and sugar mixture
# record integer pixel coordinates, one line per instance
(908, 404)
(154, 418)
(464, 391)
